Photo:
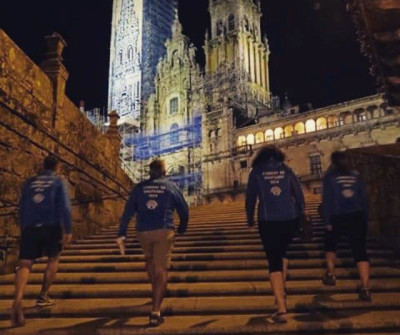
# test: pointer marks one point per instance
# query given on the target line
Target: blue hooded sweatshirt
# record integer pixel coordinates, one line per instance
(45, 201)
(278, 191)
(154, 201)
(343, 194)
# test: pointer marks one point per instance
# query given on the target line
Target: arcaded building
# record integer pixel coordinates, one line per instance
(207, 124)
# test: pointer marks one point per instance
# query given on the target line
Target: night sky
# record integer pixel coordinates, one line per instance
(315, 56)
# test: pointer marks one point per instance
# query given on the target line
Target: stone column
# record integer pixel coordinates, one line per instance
(56, 71)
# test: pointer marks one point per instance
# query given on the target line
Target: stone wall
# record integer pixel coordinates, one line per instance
(380, 169)
(36, 118)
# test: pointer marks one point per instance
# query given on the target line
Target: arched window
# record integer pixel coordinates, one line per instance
(220, 27)
(241, 141)
(278, 133)
(231, 22)
(322, 123)
(333, 121)
(269, 135)
(259, 137)
(218, 132)
(173, 106)
(299, 128)
(250, 139)
(310, 126)
(130, 53)
(174, 134)
(289, 131)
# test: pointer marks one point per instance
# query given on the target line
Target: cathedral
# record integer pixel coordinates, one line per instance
(207, 123)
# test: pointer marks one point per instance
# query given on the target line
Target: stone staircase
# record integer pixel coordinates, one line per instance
(218, 285)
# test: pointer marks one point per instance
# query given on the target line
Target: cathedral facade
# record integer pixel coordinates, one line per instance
(207, 124)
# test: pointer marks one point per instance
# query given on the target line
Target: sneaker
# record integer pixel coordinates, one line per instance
(45, 301)
(329, 279)
(277, 318)
(365, 295)
(155, 320)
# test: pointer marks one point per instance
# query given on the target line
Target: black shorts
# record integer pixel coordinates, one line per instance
(37, 242)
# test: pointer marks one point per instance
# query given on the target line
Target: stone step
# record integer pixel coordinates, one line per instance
(213, 256)
(181, 241)
(214, 249)
(203, 265)
(122, 290)
(326, 322)
(201, 276)
(242, 228)
(128, 307)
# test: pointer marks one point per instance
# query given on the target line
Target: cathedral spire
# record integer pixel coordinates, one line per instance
(176, 27)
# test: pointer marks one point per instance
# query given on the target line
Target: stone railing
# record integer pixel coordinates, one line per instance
(379, 168)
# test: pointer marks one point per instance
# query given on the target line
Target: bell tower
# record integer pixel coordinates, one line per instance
(235, 47)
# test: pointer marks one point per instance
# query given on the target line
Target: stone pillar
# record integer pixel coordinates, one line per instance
(113, 136)
(56, 71)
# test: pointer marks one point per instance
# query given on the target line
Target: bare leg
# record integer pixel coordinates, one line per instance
(285, 271)
(49, 275)
(330, 262)
(364, 270)
(149, 269)
(160, 286)
(278, 290)
(21, 279)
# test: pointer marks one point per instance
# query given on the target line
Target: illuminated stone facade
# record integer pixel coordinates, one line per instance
(208, 125)
(139, 31)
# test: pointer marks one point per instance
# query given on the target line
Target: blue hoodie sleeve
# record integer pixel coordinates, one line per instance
(251, 197)
(181, 207)
(327, 199)
(129, 211)
(297, 193)
(65, 207)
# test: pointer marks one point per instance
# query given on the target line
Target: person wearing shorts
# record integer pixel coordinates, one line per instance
(153, 202)
(345, 213)
(43, 213)
(280, 205)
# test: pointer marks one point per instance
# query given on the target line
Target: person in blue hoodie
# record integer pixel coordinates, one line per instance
(154, 201)
(345, 213)
(280, 206)
(45, 222)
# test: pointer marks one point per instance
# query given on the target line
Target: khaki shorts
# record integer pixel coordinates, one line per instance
(157, 245)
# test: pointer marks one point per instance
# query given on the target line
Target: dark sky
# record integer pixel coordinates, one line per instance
(315, 56)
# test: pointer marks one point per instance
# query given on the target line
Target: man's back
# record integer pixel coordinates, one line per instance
(44, 201)
(154, 201)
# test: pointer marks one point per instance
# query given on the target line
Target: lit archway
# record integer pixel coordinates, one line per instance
(322, 123)
(289, 131)
(299, 128)
(332, 121)
(259, 137)
(269, 135)
(278, 133)
(310, 126)
(250, 139)
(241, 141)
